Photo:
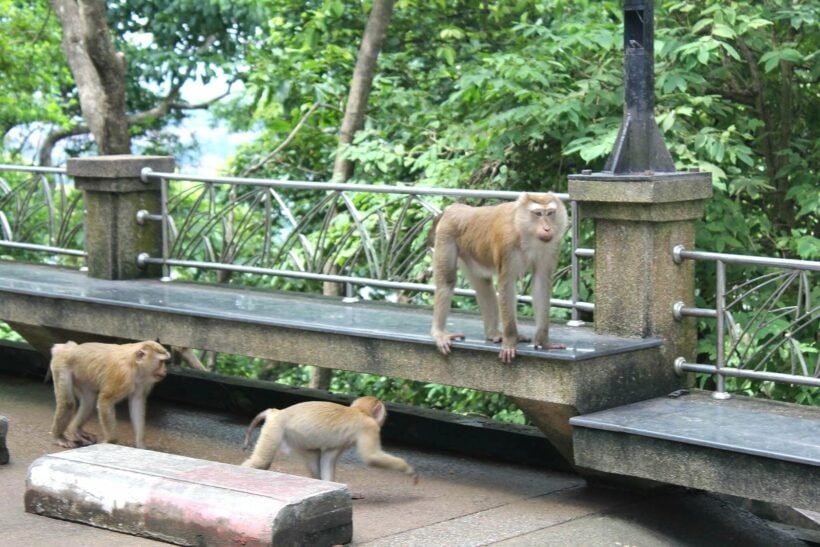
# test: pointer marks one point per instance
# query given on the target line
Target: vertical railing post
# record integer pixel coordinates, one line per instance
(166, 219)
(720, 308)
(114, 193)
(575, 211)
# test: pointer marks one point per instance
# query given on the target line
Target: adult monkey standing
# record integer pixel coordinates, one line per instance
(103, 374)
(507, 240)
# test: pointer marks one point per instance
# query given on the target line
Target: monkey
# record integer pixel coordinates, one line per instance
(189, 357)
(108, 373)
(506, 240)
(320, 431)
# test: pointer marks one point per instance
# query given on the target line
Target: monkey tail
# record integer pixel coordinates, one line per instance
(56, 350)
(261, 417)
(431, 235)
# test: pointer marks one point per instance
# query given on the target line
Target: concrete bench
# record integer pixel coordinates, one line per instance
(752, 448)
(378, 338)
(185, 500)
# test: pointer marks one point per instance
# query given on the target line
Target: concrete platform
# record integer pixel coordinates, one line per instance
(459, 501)
(752, 448)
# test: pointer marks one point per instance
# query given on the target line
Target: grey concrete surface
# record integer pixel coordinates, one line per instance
(458, 501)
(746, 447)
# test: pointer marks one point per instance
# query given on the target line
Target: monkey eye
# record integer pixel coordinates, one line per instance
(550, 212)
(538, 213)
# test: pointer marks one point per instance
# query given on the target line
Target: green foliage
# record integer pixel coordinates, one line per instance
(6, 333)
(43, 210)
(33, 67)
(463, 401)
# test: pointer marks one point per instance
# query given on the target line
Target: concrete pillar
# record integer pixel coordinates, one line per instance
(639, 219)
(113, 193)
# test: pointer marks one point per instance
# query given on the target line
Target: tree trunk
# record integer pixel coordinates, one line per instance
(99, 71)
(353, 120)
(374, 34)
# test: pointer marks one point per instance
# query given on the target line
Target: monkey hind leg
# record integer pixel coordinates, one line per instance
(267, 445)
(66, 403)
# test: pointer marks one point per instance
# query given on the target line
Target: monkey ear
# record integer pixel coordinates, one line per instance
(379, 413)
(140, 354)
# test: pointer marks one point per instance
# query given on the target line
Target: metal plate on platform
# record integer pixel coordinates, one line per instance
(294, 310)
(758, 427)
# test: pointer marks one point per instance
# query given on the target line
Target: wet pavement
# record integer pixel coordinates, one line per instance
(459, 501)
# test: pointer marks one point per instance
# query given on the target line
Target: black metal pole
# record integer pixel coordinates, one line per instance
(639, 147)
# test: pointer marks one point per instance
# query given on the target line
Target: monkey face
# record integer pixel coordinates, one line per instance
(544, 212)
(153, 356)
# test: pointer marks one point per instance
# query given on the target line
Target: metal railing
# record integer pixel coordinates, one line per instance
(772, 326)
(40, 208)
(408, 235)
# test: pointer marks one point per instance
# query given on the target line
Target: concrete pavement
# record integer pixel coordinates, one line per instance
(458, 501)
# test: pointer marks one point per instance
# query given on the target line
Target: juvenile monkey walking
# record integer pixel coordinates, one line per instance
(319, 432)
(507, 240)
(105, 374)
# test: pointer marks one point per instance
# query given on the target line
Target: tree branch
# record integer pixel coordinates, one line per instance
(261, 163)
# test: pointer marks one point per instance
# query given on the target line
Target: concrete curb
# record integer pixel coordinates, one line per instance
(185, 500)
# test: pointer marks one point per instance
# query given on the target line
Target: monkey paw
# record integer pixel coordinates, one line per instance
(444, 341)
(86, 437)
(78, 442)
(550, 345)
(507, 354)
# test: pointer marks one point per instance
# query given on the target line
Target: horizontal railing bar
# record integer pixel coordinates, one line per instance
(147, 173)
(584, 253)
(794, 264)
(145, 259)
(32, 169)
(42, 248)
(683, 311)
(683, 366)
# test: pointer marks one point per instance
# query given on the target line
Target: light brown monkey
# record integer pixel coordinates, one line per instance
(320, 431)
(507, 240)
(107, 373)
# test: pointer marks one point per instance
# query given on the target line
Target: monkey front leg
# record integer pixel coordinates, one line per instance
(445, 264)
(487, 303)
(136, 411)
(507, 308)
(108, 418)
(368, 445)
(541, 293)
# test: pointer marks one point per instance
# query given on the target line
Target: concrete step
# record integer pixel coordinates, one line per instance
(186, 500)
(752, 448)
